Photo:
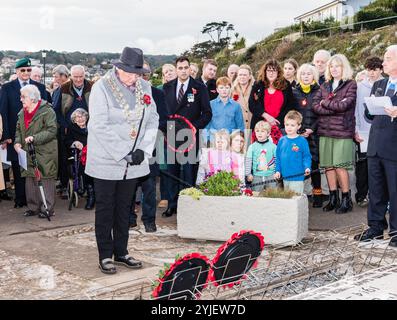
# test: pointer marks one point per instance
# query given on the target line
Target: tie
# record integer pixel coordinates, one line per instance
(24, 84)
(180, 95)
(391, 91)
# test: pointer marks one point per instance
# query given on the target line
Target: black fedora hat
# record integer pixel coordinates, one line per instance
(131, 60)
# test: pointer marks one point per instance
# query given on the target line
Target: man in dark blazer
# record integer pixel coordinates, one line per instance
(382, 157)
(188, 98)
(10, 105)
(208, 78)
(148, 183)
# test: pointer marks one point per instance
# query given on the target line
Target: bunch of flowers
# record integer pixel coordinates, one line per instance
(221, 183)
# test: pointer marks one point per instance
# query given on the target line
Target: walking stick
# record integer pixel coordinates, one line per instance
(37, 175)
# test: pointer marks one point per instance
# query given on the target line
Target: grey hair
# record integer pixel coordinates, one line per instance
(392, 48)
(61, 69)
(78, 111)
(32, 92)
(77, 67)
(322, 52)
(37, 69)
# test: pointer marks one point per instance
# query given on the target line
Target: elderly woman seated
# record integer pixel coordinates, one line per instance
(37, 124)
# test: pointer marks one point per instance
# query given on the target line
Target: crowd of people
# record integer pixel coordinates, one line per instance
(277, 130)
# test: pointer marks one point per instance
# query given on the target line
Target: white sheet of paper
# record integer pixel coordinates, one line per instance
(376, 105)
(3, 156)
(364, 145)
(22, 158)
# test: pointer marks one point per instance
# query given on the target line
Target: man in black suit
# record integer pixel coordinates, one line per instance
(209, 77)
(10, 105)
(382, 157)
(188, 98)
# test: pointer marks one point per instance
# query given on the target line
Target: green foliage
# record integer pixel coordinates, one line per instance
(277, 193)
(316, 27)
(193, 192)
(223, 184)
(239, 44)
(368, 14)
(387, 4)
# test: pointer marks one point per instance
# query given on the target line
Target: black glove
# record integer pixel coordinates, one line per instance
(135, 158)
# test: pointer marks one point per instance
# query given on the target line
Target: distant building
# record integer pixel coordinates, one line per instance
(337, 9)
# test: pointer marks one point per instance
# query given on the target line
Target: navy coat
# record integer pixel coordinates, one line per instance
(10, 105)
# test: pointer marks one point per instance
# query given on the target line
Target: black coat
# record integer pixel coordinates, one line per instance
(211, 87)
(75, 133)
(383, 134)
(304, 104)
(10, 105)
(256, 103)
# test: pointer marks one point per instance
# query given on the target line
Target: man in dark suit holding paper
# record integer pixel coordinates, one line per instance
(382, 157)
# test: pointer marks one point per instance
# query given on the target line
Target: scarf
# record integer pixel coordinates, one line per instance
(306, 88)
(28, 116)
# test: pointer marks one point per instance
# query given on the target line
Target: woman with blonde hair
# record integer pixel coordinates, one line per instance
(335, 105)
(241, 91)
(168, 74)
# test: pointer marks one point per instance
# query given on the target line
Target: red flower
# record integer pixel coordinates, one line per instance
(276, 134)
(235, 97)
(194, 91)
(147, 100)
(248, 192)
(304, 103)
(331, 95)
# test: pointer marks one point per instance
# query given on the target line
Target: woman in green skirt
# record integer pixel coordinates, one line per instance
(335, 104)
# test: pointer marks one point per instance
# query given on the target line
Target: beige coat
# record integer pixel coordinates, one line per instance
(2, 186)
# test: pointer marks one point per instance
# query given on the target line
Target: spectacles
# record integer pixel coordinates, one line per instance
(271, 71)
(26, 70)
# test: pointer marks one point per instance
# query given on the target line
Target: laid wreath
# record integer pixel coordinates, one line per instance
(235, 258)
(184, 279)
(181, 122)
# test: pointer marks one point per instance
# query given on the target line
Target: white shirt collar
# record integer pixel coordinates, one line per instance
(21, 82)
(185, 85)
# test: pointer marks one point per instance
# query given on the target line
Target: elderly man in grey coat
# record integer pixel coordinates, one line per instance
(121, 136)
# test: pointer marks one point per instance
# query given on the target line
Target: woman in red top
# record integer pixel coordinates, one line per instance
(271, 97)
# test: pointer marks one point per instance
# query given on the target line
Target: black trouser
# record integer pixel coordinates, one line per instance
(189, 176)
(316, 176)
(148, 185)
(19, 182)
(62, 158)
(382, 178)
(113, 204)
(361, 177)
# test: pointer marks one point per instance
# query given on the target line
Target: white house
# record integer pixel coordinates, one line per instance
(338, 9)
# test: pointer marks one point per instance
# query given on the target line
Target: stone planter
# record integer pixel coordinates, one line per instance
(281, 221)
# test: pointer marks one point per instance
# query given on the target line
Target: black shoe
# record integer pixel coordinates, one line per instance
(30, 213)
(128, 261)
(107, 266)
(150, 227)
(4, 196)
(90, 198)
(64, 194)
(169, 212)
(133, 224)
(368, 235)
(333, 201)
(346, 204)
(19, 204)
(317, 201)
(43, 215)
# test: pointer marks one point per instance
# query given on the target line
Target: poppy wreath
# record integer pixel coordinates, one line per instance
(239, 254)
(188, 274)
(83, 157)
(187, 124)
(147, 100)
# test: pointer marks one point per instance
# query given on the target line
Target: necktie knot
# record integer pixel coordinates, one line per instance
(24, 83)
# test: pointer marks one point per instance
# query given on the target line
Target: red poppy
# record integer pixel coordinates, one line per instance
(304, 103)
(147, 100)
(248, 192)
(194, 91)
(235, 97)
(331, 95)
(276, 134)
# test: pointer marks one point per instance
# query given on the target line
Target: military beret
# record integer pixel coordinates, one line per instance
(24, 62)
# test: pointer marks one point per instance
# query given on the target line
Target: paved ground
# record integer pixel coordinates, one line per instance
(58, 259)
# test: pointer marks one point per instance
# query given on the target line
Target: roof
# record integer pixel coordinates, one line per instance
(309, 13)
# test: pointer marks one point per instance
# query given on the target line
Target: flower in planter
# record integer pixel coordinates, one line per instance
(222, 183)
(193, 192)
(247, 192)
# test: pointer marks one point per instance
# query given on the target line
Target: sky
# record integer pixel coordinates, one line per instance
(155, 26)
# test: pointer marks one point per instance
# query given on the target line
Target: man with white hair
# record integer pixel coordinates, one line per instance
(232, 72)
(36, 74)
(320, 60)
(382, 157)
(72, 95)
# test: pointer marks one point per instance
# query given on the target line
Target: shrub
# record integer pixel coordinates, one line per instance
(223, 184)
(277, 193)
(372, 14)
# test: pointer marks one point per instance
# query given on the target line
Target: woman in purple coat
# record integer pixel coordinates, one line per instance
(335, 104)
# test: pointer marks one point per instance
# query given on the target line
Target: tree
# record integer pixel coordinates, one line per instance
(217, 28)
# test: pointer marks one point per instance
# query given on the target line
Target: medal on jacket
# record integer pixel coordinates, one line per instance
(304, 103)
(133, 133)
(190, 97)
